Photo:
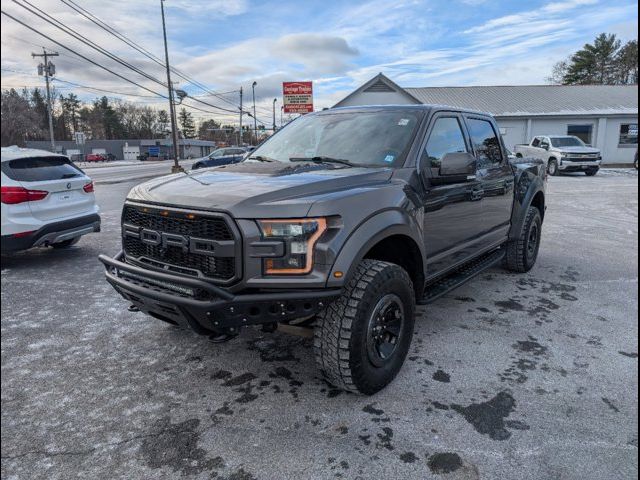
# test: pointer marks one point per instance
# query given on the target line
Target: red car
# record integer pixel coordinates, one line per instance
(95, 157)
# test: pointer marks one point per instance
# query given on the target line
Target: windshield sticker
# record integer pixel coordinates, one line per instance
(403, 122)
(389, 158)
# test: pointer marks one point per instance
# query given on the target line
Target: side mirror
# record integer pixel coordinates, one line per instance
(458, 164)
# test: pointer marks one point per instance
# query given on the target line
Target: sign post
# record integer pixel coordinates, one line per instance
(297, 97)
(80, 138)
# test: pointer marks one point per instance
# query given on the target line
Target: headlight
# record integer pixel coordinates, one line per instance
(565, 155)
(300, 237)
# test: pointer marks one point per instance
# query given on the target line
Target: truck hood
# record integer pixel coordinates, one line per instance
(577, 149)
(252, 189)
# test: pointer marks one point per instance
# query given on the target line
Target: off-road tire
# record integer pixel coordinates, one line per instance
(519, 257)
(552, 167)
(66, 243)
(341, 330)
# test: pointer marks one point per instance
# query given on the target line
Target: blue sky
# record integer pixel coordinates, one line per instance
(339, 45)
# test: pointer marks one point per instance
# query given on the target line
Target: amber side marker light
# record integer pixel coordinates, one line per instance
(338, 274)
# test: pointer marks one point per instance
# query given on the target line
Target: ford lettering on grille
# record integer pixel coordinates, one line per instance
(200, 246)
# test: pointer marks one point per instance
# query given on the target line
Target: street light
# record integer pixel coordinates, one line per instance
(274, 114)
(255, 121)
(176, 168)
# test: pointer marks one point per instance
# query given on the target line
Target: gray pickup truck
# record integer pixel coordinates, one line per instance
(335, 226)
(562, 153)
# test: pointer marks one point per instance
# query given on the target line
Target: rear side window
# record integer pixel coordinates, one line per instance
(485, 142)
(38, 169)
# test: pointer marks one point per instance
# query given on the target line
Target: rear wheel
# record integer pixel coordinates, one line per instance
(522, 252)
(552, 168)
(66, 243)
(362, 339)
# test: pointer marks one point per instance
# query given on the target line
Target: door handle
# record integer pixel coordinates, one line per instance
(477, 194)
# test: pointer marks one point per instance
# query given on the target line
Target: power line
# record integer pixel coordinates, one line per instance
(61, 26)
(81, 55)
(100, 23)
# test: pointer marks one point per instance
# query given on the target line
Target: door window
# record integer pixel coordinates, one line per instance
(446, 137)
(485, 143)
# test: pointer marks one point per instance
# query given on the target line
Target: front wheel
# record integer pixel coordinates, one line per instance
(552, 168)
(522, 252)
(591, 173)
(361, 340)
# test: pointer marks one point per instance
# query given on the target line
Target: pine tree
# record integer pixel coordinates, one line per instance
(187, 125)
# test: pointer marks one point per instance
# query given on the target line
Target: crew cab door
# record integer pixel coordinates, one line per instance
(451, 207)
(495, 180)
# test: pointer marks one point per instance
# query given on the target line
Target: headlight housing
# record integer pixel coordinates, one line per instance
(300, 237)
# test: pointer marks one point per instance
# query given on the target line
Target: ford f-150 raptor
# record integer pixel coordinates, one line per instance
(341, 222)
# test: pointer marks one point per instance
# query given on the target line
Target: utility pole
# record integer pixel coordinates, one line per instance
(255, 121)
(176, 168)
(241, 112)
(48, 69)
(274, 114)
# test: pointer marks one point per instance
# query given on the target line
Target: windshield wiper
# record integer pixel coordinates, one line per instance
(321, 159)
(262, 158)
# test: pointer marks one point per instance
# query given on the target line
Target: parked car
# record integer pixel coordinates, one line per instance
(110, 157)
(338, 225)
(46, 200)
(221, 156)
(562, 153)
(95, 157)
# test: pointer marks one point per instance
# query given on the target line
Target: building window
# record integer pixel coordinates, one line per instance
(628, 134)
(583, 132)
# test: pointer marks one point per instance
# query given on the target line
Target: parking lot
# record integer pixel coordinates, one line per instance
(528, 376)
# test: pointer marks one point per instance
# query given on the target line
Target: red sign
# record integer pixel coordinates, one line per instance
(297, 97)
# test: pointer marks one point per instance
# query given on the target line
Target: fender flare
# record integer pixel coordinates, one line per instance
(522, 204)
(365, 236)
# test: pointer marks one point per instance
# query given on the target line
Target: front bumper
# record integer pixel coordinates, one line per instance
(207, 308)
(52, 233)
(569, 165)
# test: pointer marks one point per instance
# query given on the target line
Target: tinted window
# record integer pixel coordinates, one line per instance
(39, 169)
(583, 132)
(485, 142)
(367, 138)
(567, 142)
(536, 142)
(446, 137)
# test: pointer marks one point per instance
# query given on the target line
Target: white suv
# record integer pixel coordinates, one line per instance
(46, 200)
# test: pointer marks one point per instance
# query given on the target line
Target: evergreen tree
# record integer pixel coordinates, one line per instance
(605, 62)
(187, 125)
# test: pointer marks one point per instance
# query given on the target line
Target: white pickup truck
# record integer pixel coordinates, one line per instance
(562, 153)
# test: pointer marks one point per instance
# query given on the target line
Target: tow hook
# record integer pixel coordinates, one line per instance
(225, 335)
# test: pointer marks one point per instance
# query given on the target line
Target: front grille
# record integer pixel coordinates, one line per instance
(173, 258)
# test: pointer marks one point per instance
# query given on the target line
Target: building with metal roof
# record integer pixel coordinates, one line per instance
(605, 116)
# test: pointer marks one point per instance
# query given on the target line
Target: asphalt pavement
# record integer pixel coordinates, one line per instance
(511, 376)
(117, 172)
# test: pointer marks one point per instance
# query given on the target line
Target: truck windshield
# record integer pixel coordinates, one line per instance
(376, 138)
(567, 142)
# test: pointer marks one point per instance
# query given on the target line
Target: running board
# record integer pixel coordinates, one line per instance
(460, 276)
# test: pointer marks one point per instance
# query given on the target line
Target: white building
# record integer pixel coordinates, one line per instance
(605, 116)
